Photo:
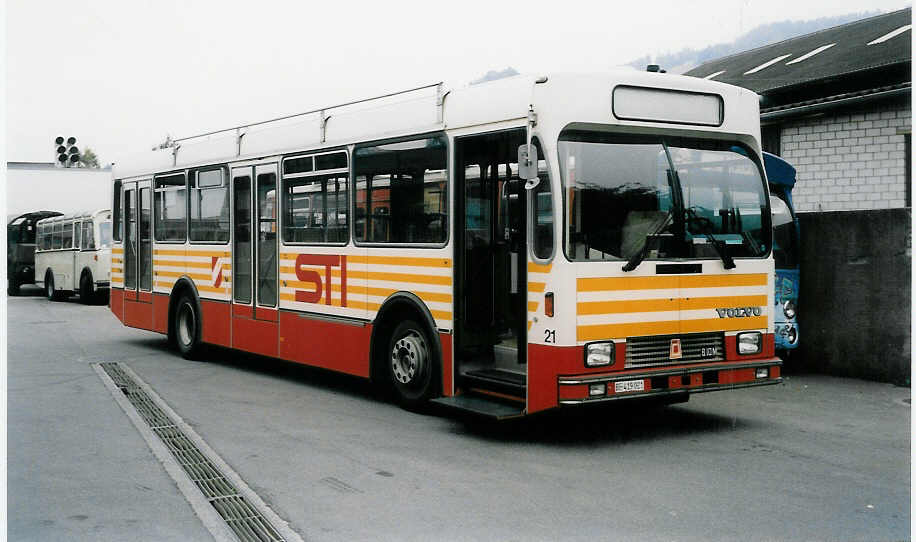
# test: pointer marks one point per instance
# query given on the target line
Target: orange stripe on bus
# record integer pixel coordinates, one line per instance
(408, 261)
(658, 305)
(532, 306)
(195, 265)
(539, 268)
(666, 282)
(636, 329)
(190, 252)
(536, 287)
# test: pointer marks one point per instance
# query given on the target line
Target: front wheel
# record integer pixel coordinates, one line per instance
(412, 363)
(187, 328)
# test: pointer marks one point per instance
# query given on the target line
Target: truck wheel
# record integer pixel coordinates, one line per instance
(412, 364)
(12, 286)
(50, 292)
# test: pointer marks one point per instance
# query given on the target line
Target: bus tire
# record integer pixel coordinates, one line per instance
(87, 289)
(50, 292)
(187, 327)
(12, 286)
(412, 364)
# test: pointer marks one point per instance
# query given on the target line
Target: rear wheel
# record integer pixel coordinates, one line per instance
(87, 288)
(412, 364)
(187, 327)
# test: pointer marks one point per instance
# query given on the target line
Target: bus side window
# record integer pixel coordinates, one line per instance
(116, 211)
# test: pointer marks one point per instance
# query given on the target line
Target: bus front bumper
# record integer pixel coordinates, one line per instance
(668, 381)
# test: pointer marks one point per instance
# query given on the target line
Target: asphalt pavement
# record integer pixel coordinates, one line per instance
(818, 458)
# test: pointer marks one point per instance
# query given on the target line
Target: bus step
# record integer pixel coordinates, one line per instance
(502, 380)
(481, 406)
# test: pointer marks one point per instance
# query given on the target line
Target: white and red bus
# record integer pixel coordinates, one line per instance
(398, 239)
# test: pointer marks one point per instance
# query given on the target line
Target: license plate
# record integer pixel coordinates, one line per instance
(629, 385)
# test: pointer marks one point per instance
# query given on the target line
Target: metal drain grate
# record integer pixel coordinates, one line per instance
(244, 520)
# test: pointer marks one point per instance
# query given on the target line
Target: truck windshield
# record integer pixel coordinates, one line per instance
(623, 198)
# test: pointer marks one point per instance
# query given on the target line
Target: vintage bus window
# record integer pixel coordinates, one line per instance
(105, 229)
(619, 198)
(88, 242)
(170, 207)
(56, 240)
(66, 235)
(116, 210)
(315, 199)
(402, 192)
(77, 234)
(209, 220)
(130, 239)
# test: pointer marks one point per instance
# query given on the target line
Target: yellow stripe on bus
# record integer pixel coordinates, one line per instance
(667, 282)
(388, 277)
(533, 306)
(536, 287)
(659, 305)
(669, 327)
(354, 290)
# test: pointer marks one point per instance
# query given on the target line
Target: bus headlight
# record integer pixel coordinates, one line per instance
(788, 308)
(750, 343)
(598, 354)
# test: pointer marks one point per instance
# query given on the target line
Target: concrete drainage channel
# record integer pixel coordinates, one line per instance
(227, 506)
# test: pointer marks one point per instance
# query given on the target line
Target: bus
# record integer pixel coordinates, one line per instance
(786, 245)
(20, 249)
(73, 255)
(507, 248)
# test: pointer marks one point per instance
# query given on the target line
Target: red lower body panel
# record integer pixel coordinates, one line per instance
(116, 302)
(138, 309)
(217, 321)
(161, 313)
(446, 340)
(255, 335)
(339, 346)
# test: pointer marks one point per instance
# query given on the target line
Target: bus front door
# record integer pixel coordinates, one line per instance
(255, 296)
(138, 255)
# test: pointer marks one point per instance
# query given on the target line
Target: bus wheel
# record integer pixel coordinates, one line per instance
(187, 328)
(87, 289)
(12, 286)
(411, 364)
(50, 292)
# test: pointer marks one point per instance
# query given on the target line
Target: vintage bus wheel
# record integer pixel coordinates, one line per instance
(50, 292)
(187, 328)
(87, 289)
(411, 364)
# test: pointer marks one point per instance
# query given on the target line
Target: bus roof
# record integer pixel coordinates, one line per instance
(75, 216)
(438, 107)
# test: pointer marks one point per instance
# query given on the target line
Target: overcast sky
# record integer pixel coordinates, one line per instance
(121, 74)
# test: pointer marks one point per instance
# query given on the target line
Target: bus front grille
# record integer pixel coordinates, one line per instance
(653, 351)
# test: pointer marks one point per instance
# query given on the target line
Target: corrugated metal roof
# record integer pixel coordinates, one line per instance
(826, 54)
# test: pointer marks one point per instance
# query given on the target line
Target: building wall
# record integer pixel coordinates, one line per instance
(849, 159)
(854, 303)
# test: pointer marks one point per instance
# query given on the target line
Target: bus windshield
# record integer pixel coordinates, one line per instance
(785, 251)
(622, 198)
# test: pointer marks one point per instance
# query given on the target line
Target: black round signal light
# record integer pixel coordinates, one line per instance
(74, 150)
(59, 140)
(71, 140)
(74, 158)
(62, 158)
(61, 149)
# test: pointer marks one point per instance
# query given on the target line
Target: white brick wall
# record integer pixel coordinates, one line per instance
(848, 161)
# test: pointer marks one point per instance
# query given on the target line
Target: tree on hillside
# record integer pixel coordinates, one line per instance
(89, 159)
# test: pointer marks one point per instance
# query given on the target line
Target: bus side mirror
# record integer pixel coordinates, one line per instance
(528, 165)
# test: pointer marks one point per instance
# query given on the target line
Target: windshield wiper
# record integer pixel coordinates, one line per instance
(720, 246)
(643, 251)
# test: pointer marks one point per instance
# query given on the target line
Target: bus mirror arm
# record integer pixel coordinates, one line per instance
(527, 165)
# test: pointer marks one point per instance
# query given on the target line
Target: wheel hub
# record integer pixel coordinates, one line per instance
(185, 325)
(408, 358)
